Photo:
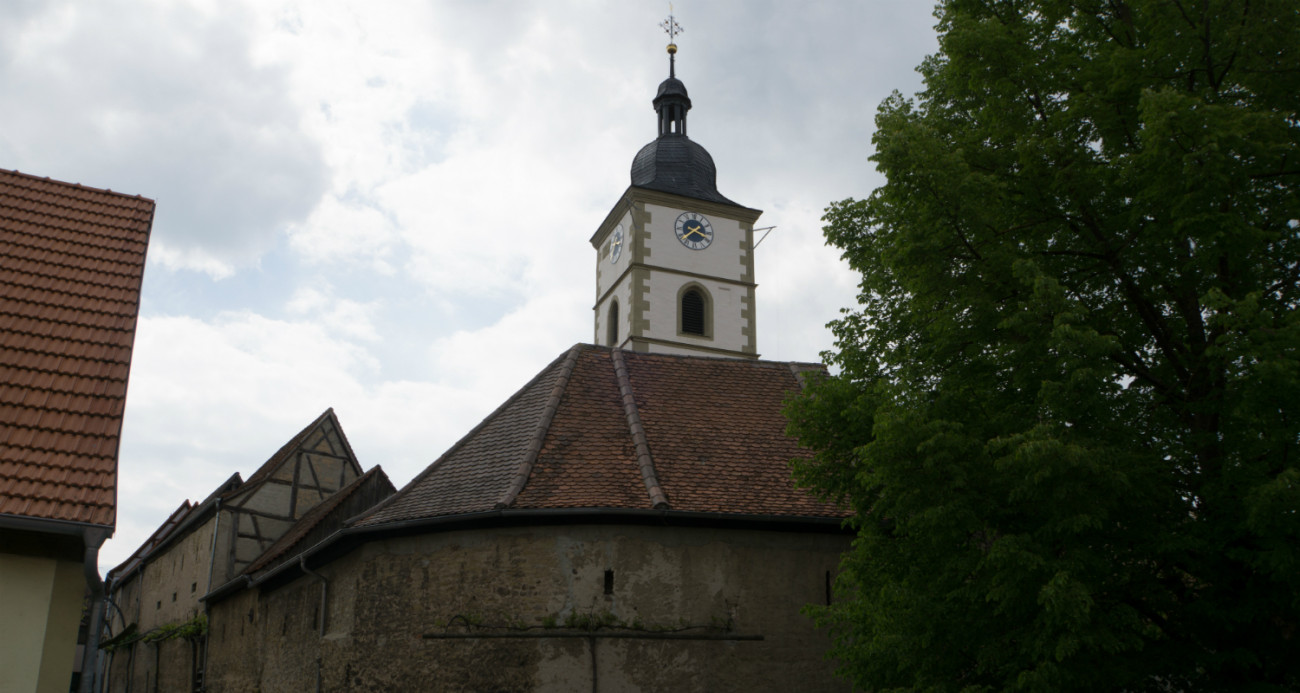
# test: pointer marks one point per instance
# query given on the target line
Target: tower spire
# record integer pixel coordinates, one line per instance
(672, 28)
(672, 103)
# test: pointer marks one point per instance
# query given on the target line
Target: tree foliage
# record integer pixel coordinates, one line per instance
(1067, 409)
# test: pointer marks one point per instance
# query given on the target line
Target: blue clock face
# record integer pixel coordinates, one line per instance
(616, 244)
(694, 230)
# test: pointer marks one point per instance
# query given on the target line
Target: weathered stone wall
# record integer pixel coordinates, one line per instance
(385, 596)
(235, 639)
(176, 578)
(162, 666)
(164, 592)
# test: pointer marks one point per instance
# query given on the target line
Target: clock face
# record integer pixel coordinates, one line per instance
(694, 230)
(616, 245)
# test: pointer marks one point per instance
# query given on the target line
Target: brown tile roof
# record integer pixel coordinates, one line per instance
(602, 428)
(71, 263)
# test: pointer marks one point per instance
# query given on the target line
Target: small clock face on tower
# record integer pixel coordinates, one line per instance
(694, 230)
(616, 244)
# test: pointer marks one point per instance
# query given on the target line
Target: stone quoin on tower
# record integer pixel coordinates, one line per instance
(675, 264)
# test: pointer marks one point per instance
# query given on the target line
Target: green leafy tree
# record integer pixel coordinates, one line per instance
(1067, 407)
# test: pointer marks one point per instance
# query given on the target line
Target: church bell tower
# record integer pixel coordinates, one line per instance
(674, 258)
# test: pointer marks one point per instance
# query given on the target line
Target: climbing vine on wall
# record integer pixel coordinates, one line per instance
(193, 628)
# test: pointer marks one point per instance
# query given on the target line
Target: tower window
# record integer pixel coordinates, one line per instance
(612, 327)
(694, 312)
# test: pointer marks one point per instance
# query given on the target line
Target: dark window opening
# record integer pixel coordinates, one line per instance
(613, 323)
(609, 582)
(159, 605)
(693, 312)
(193, 587)
(173, 596)
(828, 588)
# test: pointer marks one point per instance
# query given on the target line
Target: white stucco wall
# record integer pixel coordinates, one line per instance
(727, 309)
(607, 273)
(654, 267)
(724, 258)
(623, 294)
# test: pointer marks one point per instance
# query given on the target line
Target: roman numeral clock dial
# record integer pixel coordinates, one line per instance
(694, 230)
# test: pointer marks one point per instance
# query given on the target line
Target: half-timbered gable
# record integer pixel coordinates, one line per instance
(202, 546)
(308, 469)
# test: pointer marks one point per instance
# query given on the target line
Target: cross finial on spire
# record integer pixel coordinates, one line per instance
(672, 28)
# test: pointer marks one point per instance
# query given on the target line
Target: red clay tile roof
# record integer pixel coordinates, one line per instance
(602, 428)
(71, 264)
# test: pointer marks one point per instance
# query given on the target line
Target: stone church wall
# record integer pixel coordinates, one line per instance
(514, 591)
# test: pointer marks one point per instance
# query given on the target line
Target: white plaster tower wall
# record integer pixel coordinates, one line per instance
(647, 262)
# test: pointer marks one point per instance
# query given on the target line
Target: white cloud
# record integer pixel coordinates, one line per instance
(341, 316)
(385, 207)
(162, 100)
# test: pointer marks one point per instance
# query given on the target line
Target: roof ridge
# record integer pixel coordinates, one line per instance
(801, 371)
(643, 458)
(145, 549)
(47, 179)
(543, 426)
(413, 483)
(263, 471)
(343, 438)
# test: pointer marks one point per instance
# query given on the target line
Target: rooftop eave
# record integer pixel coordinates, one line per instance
(94, 535)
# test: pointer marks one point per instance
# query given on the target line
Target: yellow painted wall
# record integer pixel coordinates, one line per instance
(40, 599)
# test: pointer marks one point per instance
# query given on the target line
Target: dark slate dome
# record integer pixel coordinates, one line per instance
(673, 163)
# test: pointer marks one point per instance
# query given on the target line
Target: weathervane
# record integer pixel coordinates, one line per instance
(672, 28)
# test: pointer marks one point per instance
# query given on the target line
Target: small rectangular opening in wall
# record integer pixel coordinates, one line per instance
(173, 596)
(609, 582)
(828, 588)
(193, 587)
(159, 605)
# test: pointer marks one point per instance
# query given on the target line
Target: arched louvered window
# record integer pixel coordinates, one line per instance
(693, 312)
(612, 327)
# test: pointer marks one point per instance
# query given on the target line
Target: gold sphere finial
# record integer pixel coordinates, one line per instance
(672, 49)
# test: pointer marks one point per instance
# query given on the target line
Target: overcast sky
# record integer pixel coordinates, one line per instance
(384, 207)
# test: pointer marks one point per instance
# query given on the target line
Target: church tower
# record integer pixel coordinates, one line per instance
(674, 258)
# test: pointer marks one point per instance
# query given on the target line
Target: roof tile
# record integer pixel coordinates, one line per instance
(712, 435)
(71, 264)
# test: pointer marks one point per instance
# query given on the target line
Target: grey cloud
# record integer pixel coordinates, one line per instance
(162, 101)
